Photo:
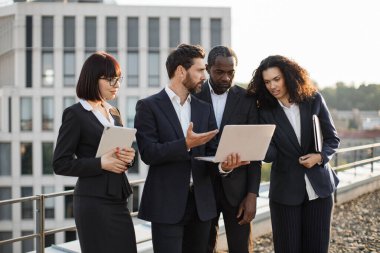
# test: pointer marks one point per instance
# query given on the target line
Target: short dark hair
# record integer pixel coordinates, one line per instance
(220, 51)
(183, 56)
(97, 65)
(297, 81)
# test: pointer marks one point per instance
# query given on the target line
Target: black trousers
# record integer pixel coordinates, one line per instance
(302, 229)
(239, 237)
(188, 236)
(104, 225)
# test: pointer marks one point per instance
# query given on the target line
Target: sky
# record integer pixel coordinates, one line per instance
(335, 40)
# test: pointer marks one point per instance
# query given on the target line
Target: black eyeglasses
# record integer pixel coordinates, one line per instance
(112, 81)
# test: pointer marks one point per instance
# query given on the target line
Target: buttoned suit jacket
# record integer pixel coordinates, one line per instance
(74, 155)
(162, 146)
(239, 109)
(287, 183)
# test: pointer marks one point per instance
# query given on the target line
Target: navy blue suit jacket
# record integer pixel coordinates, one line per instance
(162, 146)
(239, 110)
(287, 183)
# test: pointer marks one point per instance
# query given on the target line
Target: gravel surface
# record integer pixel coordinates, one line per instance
(355, 227)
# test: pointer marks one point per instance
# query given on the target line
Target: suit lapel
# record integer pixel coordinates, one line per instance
(305, 110)
(232, 100)
(116, 116)
(284, 123)
(166, 106)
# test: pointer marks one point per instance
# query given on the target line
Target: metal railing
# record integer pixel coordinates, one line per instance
(40, 231)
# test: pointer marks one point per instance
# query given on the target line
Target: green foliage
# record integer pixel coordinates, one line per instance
(265, 172)
(347, 97)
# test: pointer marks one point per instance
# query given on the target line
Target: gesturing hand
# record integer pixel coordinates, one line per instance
(110, 163)
(194, 139)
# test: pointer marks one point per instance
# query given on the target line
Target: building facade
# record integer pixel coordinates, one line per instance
(42, 48)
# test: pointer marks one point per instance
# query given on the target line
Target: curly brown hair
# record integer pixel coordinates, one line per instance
(297, 81)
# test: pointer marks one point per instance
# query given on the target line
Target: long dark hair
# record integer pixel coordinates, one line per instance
(97, 65)
(298, 83)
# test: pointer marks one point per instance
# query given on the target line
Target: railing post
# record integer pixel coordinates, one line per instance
(40, 224)
(372, 154)
(130, 203)
(336, 165)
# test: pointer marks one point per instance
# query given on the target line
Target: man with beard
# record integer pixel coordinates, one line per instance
(173, 128)
(235, 192)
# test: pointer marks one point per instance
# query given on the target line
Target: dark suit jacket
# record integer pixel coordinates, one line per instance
(80, 135)
(287, 183)
(240, 109)
(162, 146)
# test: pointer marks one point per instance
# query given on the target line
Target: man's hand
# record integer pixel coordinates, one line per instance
(232, 162)
(247, 209)
(195, 140)
(310, 160)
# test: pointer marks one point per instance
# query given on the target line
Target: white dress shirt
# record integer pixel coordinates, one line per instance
(293, 114)
(219, 103)
(105, 122)
(183, 113)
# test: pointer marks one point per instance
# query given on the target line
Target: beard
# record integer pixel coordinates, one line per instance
(220, 88)
(190, 85)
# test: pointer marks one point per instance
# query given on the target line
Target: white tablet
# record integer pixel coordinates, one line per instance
(114, 136)
(251, 142)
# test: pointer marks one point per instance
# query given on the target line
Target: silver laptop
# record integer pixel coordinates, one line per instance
(251, 142)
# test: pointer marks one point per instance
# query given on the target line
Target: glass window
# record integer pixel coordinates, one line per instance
(195, 31)
(5, 159)
(47, 32)
(26, 152)
(131, 105)
(27, 245)
(136, 193)
(174, 32)
(69, 208)
(153, 33)
(47, 113)
(47, 158)
(153, 69)
(111, 37)
(27, 206)
(68, 101)
(70, 236)
(69, 68)
(133, 68)
(26, 113)
(69, 32)
(47, 68)
(29, 46)
(49, 202)
(216, 32)
(6, 248)
(90, 34)
(5, 210)
(49, 240)
(133, 33)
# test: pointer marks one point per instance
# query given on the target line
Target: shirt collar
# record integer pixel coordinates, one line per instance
(87, 106)
(174, 96)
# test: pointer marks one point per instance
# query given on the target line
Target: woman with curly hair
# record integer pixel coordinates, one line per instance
(301, 181)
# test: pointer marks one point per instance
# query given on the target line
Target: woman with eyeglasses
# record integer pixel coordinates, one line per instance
(101, 215)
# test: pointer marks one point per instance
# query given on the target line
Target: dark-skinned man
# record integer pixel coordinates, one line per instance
(235, 190)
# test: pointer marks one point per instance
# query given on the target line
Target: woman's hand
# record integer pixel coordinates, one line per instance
(110, 162)
(126, 155)
(310, 160)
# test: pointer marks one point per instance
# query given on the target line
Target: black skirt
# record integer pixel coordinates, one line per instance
(104, 225)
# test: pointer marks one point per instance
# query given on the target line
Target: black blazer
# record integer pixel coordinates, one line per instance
(162, 146)
(80, 135)
(240, 109)
(287, 183)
